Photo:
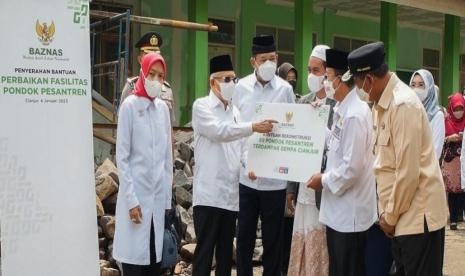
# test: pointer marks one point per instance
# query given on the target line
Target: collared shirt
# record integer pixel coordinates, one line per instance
(248, 93)
(348, 201)
(410, 184)
(439, 132)
(218, 147)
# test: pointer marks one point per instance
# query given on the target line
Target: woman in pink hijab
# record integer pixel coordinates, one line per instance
(144, 159)
(450, 158)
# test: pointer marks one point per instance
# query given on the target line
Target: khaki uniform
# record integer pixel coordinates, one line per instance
(166, 95)
(410, 184)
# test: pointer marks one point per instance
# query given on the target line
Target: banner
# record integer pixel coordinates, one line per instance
(47, 195)
(294, 150)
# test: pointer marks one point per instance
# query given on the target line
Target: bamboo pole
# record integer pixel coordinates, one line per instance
(160, 21)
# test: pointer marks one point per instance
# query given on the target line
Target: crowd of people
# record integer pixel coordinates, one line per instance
(390, 176)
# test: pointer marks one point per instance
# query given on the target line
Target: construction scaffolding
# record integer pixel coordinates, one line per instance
(109, 76)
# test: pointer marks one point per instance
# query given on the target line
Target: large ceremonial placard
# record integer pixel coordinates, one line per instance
(47, 195)
(294, 150)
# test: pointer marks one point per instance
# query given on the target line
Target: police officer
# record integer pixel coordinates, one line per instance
(150, 43)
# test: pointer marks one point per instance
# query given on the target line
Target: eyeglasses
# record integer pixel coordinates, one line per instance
(228, 79)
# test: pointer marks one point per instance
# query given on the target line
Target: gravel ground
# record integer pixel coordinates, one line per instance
(454, 259)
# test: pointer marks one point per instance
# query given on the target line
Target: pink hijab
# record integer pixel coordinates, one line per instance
(454, 125)
(147, 62)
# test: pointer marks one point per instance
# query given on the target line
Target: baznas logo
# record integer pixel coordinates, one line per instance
(289, 116)
(44, 32)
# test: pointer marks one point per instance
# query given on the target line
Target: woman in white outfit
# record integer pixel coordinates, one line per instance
(422, 83)
(144, 159)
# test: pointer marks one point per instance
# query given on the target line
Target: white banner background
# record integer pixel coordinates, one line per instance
(47, 196)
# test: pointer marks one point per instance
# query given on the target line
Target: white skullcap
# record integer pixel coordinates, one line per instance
(320, 52)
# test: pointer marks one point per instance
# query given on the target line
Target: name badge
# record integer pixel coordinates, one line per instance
(338, 129)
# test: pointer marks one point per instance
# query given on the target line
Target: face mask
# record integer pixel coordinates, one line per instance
(152, 87)
(421, 93)
(227, 90)
(315, 83)
(329, 89)
(293, 83)
(361, 91)
(458, 114)
(362, 94)
(267, 70)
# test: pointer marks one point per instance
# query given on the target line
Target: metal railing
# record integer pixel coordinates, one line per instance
(111, 74)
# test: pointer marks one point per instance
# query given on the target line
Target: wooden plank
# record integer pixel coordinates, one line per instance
(105, 126)
(103, 111)
(104, 137)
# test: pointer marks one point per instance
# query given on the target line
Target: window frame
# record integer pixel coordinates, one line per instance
(437, 78)
(350, 38)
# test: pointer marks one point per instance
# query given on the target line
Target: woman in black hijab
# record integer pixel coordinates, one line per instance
(288, 73)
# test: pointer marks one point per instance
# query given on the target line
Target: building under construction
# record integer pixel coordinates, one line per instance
(426, 34)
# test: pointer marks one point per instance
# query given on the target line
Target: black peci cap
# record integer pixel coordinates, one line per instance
(221, 63)
(263, 44)
(366, 58)
(336, 59)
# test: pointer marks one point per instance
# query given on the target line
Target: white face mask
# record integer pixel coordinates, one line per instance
(458, 114)
(421, 93)
(227, 90)
(152, 87)
(315, 83)
(267, 70)
(362, 94)
(329, 89)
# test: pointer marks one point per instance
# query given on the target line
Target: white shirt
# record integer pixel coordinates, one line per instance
(248, 93)
(218, 146)
(145, 167)
(349, 191)
(439, 132)
(462, 164)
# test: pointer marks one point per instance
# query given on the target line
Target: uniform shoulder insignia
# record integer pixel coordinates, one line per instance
(167, 84)
(132, 82)
(133, 79)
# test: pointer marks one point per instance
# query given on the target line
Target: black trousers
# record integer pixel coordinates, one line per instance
(214, 229)
(287, 240)
(346, 253)
(456, 205)
(420, 254)
(269, 205)
(378, 255)
(153, 269)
